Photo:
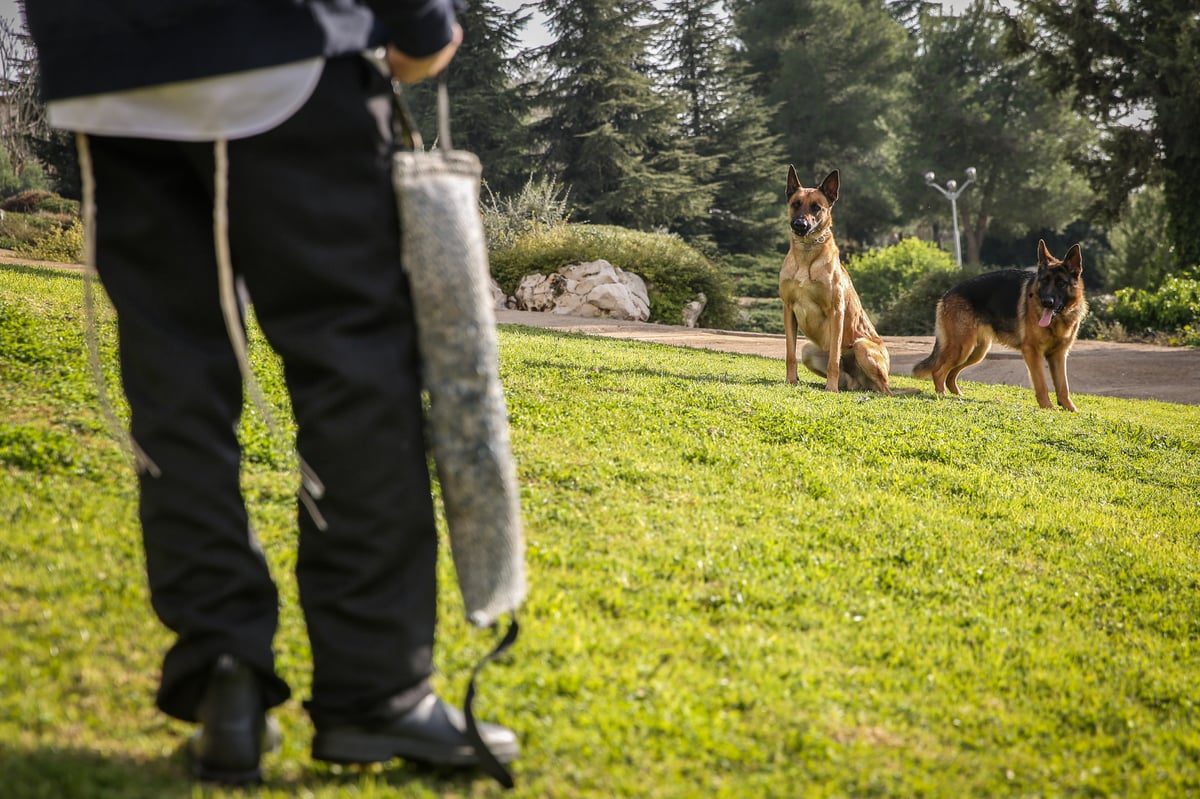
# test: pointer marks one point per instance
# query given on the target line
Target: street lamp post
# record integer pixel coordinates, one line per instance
(951, 193)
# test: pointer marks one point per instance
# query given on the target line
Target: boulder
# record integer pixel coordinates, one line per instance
(692, 311)
(590, 289)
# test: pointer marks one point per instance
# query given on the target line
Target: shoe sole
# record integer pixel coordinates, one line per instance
(233, 778)
(350, 747)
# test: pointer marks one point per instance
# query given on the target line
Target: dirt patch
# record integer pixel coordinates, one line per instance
(1132, 371)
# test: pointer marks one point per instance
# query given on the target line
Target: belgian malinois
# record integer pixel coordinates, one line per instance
(819, 299)
(1036, 311)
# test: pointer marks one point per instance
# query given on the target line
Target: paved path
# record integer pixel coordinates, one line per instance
(1133, 371)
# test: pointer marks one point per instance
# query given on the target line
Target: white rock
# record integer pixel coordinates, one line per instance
(589, 289)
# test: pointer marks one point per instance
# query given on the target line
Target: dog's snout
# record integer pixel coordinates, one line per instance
(800, 225)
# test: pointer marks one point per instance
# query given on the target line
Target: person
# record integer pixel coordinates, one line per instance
(253, 136)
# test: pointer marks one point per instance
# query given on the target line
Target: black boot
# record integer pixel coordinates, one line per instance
(234, 728)
(432, 732)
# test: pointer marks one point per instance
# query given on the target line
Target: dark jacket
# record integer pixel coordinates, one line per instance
(89, 47)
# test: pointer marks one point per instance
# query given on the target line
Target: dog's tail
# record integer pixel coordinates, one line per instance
(924, 368)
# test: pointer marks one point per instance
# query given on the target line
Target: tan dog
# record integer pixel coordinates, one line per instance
(820, 301)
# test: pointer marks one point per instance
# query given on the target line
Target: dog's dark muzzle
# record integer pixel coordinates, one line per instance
(801, 226)
(1052, 302)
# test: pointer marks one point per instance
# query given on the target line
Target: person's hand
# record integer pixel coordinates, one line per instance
(407, 69)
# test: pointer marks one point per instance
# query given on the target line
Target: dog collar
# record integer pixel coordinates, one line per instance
(819, 240)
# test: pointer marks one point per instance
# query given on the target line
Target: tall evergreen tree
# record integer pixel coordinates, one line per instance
(976, 106)
(725, 123)
(1122, 61)
(489, 108)
(837, 70)
(696, 36)
(607, 133)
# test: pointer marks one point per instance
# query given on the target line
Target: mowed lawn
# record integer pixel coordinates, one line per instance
(738, 588)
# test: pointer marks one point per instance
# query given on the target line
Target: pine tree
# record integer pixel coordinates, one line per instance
(728, 126)
(489, 108)
(1122, 63)
(607, 134)
(837, 71)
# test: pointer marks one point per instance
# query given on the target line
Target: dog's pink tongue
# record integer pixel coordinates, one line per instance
(1047, 315)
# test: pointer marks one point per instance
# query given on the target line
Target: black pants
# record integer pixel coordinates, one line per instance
(314, 233)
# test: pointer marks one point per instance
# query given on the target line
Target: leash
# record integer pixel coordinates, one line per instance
(488, 762)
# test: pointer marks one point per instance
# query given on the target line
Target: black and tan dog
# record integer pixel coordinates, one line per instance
(819, 299)
(1036, 311)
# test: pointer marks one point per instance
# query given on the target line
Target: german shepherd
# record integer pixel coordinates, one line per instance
(819, 299)
(1036, 311)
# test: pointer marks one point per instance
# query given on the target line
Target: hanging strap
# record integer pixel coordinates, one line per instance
(142, 461)
(403, 126)
(406, 132)
(487, 760)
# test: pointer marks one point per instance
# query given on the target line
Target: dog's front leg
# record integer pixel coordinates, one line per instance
(1037, 375)
(1057, 361)
(789, 330)
(837, 319)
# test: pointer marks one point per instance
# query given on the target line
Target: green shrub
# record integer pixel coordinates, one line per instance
(20, 231)
(61, 244)
(58, 206)
(1140, 250)
(760, 316)
(540, 202)
(674, 272)
(914, 311)
(1172, 306)
(754, 275)
(39, 201)
(882, 276)
(25, 202)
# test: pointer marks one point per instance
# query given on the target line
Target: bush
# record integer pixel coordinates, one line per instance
(754, 275)
(674, 272)
(915, 310)
(760, 316)
(25, 202)
(61, 244)
(540, 202)
(1173, 306)
(1141, 255)
(882, 276)
(38, 201)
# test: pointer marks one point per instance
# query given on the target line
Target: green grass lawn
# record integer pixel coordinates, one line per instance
(738, 588)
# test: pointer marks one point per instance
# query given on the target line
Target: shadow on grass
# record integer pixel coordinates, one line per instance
(74, 773)
(568, 369)
(44, 271)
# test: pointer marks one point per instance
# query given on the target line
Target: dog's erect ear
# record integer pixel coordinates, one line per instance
(829, 186)
(1074, 260)
(793, 182)
(1044, 256)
